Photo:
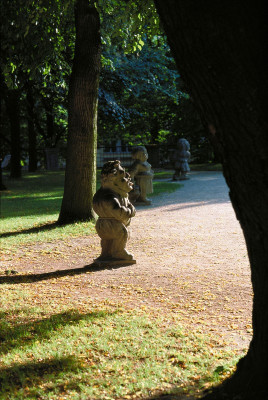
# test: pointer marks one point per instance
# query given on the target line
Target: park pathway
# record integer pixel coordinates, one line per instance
(190, 250)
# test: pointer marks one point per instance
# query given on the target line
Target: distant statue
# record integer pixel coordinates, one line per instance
(112, 205)
(180, 158)
(3, 164)
(142, 176)
(2, 186)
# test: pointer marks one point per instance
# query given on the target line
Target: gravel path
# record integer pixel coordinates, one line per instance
(190, 246)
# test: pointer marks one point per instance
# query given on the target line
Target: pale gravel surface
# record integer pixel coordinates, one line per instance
(191, 262)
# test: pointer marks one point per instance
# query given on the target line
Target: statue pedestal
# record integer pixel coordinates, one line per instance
(112, 261)
(143, 203)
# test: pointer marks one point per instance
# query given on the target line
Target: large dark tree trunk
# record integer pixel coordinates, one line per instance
(220, 47)
(12, 105)
(80, 176)
(31, 131)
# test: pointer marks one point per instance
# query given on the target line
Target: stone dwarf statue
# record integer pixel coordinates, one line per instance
(142, 175)
(180, 158)
(112, 205)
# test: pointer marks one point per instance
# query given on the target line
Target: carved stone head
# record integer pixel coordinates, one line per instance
(183, 145)
(140, 153)
(114, 177)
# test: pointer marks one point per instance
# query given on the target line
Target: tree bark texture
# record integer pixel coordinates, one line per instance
(80, 175)
(12, 105)
(220, 47)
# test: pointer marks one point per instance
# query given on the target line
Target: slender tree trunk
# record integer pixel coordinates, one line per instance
(80, 175)
(50, 126)
(2, 186)
(31, 131)
(220, 47)
(154, 130)
(12, 104)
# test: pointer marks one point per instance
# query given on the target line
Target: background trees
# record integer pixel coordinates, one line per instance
(141, 96)
(36, 51)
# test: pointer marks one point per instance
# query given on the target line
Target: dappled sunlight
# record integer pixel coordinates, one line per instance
(24, 196)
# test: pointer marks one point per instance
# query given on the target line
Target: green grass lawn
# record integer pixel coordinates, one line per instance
(52, 351)
(30, 209)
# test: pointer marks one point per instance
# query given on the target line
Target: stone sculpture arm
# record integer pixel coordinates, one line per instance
(109, 204)
(122, 212)
(132, 209)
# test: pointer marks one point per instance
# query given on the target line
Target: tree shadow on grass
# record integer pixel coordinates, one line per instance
(225, 390)
(175, 394)
(28, 379)
(23, 334)
(37, 379)
(30, 278)
(36, 229)
(217, 393)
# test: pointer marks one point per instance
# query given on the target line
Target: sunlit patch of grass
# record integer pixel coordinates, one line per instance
(163, 174)
(40, 230)
(165, 187)
(32, 195)
(99, 353)
(30, 209)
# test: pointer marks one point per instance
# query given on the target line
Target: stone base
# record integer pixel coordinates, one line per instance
(112, 261)
(142, 203)
(185, 178)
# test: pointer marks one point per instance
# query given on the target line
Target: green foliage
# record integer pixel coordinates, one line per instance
(124, 23)
(141, 98)
(35, 37)
(140, 95)
(37, 47)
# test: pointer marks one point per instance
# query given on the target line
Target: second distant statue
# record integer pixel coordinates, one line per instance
(141, 175)
(180, 158)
